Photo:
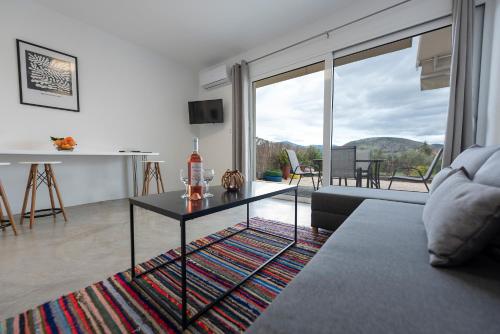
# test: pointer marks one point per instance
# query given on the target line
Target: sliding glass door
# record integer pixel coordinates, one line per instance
(385, 127)
(289, 116)
(389, 112)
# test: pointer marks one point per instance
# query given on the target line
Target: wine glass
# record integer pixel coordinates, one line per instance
(184, 179)
(208, 176)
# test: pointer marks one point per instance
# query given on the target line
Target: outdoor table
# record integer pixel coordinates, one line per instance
(373, 175)
(373, 172)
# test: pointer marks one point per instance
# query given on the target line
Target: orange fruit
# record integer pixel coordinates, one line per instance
(69, 141)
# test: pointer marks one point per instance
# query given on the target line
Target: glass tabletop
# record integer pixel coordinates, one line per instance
(171, 204)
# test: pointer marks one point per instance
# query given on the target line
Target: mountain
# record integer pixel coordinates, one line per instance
(385, 144)
(437, 146)
(389, 144)
(287, 143)
(268, 152)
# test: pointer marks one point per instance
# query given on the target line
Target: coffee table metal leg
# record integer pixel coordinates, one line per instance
(183, 268)
(295, 231)
(143, 166)
(248, 215)
(185, 321)
(132, 243)
(134, 176)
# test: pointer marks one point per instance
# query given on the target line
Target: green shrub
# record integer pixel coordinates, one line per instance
(283, 159)
(273, 172)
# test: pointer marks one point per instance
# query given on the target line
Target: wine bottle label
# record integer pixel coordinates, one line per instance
(196, 173)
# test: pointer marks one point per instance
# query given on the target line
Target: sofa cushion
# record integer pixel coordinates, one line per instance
(327, 220)
(330, 206)
(373, 276)
(489, 173)
(473, 158)
(461, 217)
(344, 200)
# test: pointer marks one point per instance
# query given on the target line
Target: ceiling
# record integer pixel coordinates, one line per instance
(196, 32)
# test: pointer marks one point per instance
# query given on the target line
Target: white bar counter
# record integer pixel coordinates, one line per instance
(76, 152)
(134, 155)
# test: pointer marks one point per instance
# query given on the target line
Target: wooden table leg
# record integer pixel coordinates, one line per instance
(34, 171)
(146, 179)
(58, 193)
(6, 204)
(157, 174)
(26, 194)
(51, 194)
(161, 179)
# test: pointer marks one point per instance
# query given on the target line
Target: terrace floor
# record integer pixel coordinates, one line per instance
(306, 186)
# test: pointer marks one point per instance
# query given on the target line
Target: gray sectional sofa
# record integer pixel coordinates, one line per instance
(373, 274)
(331, 206)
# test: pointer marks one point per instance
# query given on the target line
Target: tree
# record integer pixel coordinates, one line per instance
(309, 154)
(425, 148)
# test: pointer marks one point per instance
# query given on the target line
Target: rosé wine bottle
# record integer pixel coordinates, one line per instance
(195, 170)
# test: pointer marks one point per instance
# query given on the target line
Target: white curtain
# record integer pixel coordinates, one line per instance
(241, 118)
(237, 135)
(460, 129)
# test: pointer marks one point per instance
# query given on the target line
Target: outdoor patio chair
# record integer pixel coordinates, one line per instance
(318, 165)
(344, 163)
(363, 168)
(420, 178)
(301, 170)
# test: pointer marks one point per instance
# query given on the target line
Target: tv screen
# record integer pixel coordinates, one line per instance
(209, 111)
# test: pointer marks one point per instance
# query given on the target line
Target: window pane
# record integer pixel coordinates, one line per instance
(394, 105)
(289, 114)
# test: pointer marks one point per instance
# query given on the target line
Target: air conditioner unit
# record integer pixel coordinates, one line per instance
(215, 77)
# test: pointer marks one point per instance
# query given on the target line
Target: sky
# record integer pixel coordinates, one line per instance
(375, 97)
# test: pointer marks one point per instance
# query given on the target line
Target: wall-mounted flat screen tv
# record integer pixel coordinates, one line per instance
(209, 111)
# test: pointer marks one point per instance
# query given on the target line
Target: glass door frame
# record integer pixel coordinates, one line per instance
(357, 48)
(328, 59)
(328, 72)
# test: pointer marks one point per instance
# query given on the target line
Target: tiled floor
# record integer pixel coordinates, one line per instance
(56, 257)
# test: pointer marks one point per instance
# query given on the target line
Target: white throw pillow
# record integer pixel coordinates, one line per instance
(461, 218)
(489, 173)
(440, 177)
(473, 158)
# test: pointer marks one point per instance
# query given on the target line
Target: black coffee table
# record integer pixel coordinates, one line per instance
(171, 204)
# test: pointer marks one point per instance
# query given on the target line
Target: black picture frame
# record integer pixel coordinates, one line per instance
(42, 96)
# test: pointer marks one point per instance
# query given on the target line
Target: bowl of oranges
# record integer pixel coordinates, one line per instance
(64, 144)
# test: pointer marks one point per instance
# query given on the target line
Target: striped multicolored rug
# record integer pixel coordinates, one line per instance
(116, 306)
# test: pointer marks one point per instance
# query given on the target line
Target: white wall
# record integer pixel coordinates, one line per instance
(405, 16)
(130, 98)
(215, 139)
(401, 17)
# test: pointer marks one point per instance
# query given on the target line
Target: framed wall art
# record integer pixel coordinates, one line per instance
(47, 78)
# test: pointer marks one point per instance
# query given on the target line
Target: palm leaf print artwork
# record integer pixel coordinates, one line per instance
(48, 74)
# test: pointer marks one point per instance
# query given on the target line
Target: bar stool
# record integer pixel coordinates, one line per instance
(152, 172)
(35, 179)
(3, 199)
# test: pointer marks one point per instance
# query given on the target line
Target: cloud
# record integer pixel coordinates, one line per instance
(291, 110)
(378, 96)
